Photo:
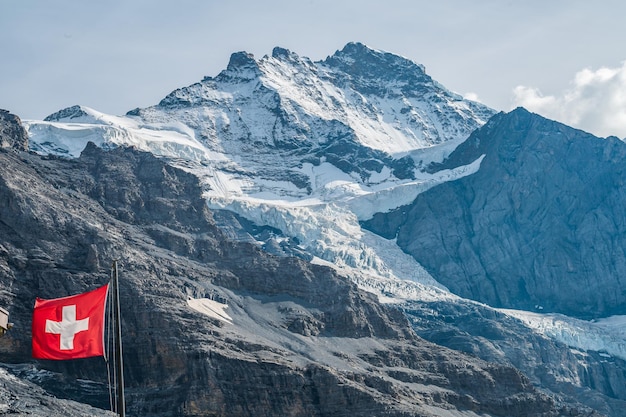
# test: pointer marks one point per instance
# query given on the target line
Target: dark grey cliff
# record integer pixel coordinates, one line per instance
(12, 133)
(302, 341)
(593, 378)
(541, 225)
(21, 396)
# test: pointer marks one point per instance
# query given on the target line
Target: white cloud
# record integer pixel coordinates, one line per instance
(596, 102)
(471, 96)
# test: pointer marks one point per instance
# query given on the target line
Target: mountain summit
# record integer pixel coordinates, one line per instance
(386, 102)
(368, 68)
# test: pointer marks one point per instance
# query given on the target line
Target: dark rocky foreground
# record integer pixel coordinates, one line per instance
(19, 395)
(12, 133)
(596, 379)
(302, 341)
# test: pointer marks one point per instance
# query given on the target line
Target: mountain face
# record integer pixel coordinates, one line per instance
(305, 161)
(283, 142)
(293, 339)
(539, 226)
(592, 376)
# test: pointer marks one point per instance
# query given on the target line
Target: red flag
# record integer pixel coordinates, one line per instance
(70, 327)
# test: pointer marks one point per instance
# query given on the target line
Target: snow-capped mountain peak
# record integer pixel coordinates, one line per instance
(291, 143)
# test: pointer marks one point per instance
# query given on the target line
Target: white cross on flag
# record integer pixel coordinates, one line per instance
(70, 327)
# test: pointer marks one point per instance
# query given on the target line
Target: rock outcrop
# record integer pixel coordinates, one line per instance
(12, 133)
(21, 397)
(593, 378)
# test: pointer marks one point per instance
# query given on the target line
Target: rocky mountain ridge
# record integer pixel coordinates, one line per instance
(539, 226)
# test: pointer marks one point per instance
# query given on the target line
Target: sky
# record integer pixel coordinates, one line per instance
(564, 59)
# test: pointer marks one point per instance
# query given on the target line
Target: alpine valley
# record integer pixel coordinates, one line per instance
(335, 238)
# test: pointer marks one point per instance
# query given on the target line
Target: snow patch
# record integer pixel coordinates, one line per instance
(210, 308)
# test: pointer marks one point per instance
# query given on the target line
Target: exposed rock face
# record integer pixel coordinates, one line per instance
(12, 133)
(301, 340)
(594, 378)
(540, 225)
(68, 113)
(21, 397)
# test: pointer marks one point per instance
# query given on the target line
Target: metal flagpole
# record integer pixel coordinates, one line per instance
(121, 404)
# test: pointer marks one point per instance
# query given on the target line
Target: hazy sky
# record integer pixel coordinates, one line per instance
(561, 58)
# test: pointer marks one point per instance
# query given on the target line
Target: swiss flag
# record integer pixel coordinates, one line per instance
(70, 327)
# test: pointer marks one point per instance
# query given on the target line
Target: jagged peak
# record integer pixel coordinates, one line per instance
(241, 61)
(282, 53)
(242, 65)
(356, 49)
(72, 112)
(325, 89)
(290, 58)
(356, 52)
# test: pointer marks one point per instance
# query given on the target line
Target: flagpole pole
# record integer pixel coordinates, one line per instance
(121, 404)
